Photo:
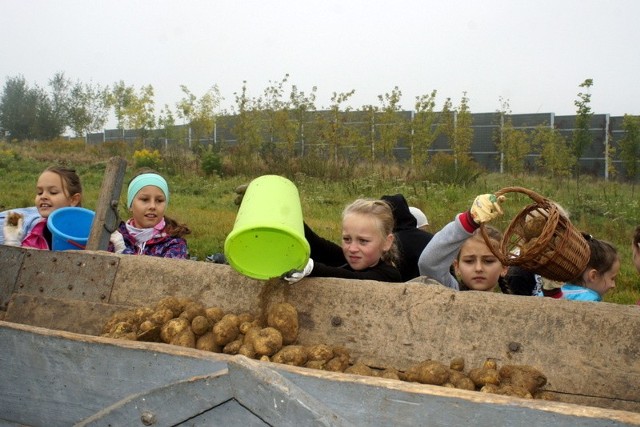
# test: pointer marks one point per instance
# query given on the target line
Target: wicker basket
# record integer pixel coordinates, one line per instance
(542, 240)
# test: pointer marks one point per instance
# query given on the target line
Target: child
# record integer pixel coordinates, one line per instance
(461, 244)
(149, 231)
(57, 187)
(409, 237)
(598, 277)
(368, 250)
(635, 249)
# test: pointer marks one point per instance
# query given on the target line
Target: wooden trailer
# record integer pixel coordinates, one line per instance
(55, 369)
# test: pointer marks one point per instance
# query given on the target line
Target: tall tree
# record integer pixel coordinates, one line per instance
(630, 146)
(513, 143)
(556, 155)
(87, 108)
(424, 129)
(19, 109)
(391, 127)
(581, 134)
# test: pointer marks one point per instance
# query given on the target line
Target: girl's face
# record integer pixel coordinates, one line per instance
(362, 242)
(636, 256)
(147, 208)
(51, 194)
(477, 267)
(602, 283)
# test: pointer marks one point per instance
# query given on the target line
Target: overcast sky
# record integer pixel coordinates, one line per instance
(532, 53)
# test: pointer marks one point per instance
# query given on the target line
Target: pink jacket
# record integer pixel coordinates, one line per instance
(35, 238)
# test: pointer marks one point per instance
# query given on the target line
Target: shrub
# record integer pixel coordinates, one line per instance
(147, 159)
(211, 163)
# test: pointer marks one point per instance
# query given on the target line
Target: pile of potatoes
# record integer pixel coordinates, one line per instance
(183, 322)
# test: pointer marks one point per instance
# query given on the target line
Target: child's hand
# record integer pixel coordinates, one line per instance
(295, 276)
(486, 207)
(117, 241)
(12, 229)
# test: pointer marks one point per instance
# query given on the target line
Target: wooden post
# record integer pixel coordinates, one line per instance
(106, 218)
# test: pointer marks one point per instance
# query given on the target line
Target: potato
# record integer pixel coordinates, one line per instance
(338, 363)
(173, 328)
(523, 376)
(247, 350)
(200, 325)
(225, 331)
(232, 318)
(295, 355)
(428, 372)
(267, 341)
(172, 303)
(360, 368)
(511, 390)
(544, 395)
(232, 347)
(533, 226)
(120, 316)
(245, 317)
(315, 364)
(245, 326)
(390, 373)
(215, 314)
(284, 317)
(186, 338)
(193, 310)
(320, 352)
(490, 363)
(146, 325)
(484, 376)
(122, 330)
(457, 364)
(207, 342)
(161, 316)
(460, 380)
(142, 313)
(490, 388)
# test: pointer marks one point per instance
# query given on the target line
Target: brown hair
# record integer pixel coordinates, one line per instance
(383, 213)
(636, 237)
(495, 236)
(603, 256)
(70, 181)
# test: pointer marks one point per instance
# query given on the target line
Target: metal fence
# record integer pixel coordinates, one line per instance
(606, 133)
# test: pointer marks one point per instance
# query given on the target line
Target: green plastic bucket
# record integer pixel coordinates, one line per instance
(267, 239)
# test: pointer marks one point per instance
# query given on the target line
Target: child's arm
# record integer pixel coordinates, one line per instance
(437, 257)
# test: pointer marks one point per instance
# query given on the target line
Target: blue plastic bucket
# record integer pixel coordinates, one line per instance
(267, 239)
(70, 228)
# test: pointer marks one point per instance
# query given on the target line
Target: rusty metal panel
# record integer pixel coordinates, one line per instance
(10, 263)
(68, 274)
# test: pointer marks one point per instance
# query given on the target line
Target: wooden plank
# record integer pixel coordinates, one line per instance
(10, 264)
(42, 371)
(77, 275)
(61, 314)
(106, 218)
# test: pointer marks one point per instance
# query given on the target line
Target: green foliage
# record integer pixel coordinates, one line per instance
(424, 129)
(391, 127)
(555, 154)
(446, 169)
(211, 163)
(147, 159)
(630, 146)
(581, 135)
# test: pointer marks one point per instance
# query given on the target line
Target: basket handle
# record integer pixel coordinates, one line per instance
(532, 194)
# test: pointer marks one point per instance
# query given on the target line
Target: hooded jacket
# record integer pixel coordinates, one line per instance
(411, 241)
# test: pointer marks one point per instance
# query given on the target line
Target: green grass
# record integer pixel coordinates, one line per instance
(607, 210)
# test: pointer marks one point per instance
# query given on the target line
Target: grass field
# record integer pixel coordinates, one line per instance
(607, 210)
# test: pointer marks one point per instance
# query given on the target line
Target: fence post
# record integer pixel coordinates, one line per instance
(606, 147)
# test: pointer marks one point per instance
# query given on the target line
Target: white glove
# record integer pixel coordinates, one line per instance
(486, 207)
(12, 229)
(117, 241)
(295, 276)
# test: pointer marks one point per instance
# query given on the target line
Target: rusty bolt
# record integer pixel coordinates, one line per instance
(112, 263)
(336, 321)
(70, 287)
(148, 418)
(41, 289)
(515, 346)
(54, 259)
(102, 296)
